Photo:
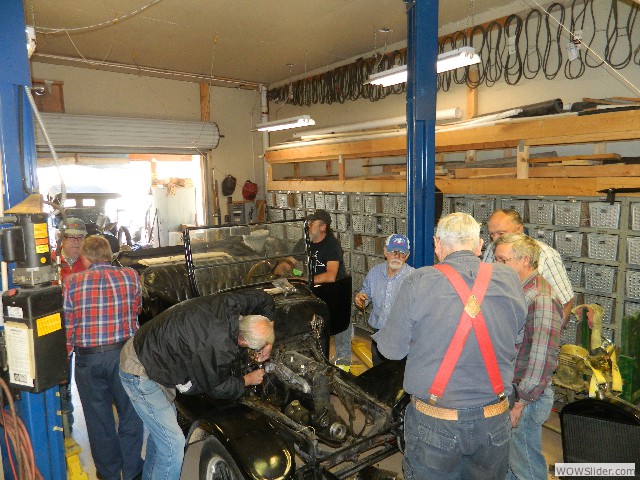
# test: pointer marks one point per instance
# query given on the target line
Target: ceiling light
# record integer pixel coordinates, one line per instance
(460, 57)
(284, 124)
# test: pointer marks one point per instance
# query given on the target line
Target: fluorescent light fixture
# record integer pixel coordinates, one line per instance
(389, 77)
(284, 124)
(460, 57)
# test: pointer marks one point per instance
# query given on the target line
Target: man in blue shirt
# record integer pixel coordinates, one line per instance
(382, 284)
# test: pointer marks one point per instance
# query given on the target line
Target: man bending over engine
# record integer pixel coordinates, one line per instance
(192, 347)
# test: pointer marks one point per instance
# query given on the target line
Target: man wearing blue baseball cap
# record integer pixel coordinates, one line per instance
(382, 284)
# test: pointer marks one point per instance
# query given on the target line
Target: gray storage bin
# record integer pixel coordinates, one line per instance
(602, 246)
(368, 245)
(541, 212)
(599, 278)
(342, 222)
(346, 240)
(513, 204)
(400, 205)
(464, 205)
(346, 258)
(569, 334)
(298, 200)
(401, 226)
(319, 201)
(276, 230)
(270, 198)
(635, 216)
(574, 272)
(632, 284)
(358, 262)
(569, 244)
(373, 260)
(276, 214)
(630, 308)
(567, 214)
(370, 224)
(373, 204)
(309, 200)
(289, 214)
(542, 235)
(330, 201)
(388, 225)
(387, 204)
(300, 214)
(357, 223)
(633, 250)
(604, 215)
(342, 202)
(356, 202)
(446, 206)
(483, 208)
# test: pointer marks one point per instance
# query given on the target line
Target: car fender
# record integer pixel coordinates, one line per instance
(253, 442)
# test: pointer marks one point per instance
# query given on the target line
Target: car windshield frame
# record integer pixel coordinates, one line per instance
(241, 247)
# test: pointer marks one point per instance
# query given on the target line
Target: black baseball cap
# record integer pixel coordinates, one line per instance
(321, 215)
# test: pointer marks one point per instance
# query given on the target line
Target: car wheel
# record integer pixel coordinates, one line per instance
(216, 463)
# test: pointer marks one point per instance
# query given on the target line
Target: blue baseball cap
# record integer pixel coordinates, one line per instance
(398, 243)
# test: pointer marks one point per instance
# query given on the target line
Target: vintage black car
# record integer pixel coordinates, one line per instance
(309, 419)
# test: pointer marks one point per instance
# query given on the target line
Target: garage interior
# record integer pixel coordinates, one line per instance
(158, 105)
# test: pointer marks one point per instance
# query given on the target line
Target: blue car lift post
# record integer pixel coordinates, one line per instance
(422, 55)
(40, 412)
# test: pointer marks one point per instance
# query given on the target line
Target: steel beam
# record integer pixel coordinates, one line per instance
(422, 55)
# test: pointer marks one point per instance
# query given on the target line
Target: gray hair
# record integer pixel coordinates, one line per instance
(522, 246)
(458, 230)
(257, 330)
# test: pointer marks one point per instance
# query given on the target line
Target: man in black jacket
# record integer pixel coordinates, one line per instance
(192, 347)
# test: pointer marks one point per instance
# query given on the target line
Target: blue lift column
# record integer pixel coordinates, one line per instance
(422, 55)
(38, 411)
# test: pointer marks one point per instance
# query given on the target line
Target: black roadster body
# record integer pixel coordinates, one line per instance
(308, 419)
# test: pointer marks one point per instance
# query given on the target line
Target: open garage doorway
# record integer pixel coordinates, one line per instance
(143, 200)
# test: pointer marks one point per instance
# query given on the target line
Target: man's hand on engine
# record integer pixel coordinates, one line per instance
(264, 353)
(254, 377)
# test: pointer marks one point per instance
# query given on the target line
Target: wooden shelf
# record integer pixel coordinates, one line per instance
(551, 131)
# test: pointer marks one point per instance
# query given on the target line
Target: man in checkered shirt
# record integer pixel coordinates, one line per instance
(550, 266)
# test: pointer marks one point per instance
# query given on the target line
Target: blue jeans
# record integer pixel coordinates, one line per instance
(114, 450)
(526, 461)
(165, 445)
(471, 448)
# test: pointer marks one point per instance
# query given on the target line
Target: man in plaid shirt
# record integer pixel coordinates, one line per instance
(101, 306)
(538, 347)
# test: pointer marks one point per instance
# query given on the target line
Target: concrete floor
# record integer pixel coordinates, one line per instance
(552, 445)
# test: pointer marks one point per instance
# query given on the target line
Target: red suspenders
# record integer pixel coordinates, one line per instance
(471, 317)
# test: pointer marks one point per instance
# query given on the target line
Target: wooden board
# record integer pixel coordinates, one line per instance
(559, 171)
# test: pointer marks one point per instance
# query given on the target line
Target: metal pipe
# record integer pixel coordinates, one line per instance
(152, 72)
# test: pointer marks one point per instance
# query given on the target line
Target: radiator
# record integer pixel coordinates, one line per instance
(601, 431)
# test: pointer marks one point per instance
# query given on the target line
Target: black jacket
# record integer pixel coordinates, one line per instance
(196, 341)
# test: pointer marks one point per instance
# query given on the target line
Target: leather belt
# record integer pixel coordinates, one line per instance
(452, 414)
(99, 348)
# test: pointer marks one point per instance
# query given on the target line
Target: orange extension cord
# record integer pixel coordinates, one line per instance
(16, 432)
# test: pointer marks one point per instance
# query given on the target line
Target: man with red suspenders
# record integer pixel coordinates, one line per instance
(457, 324)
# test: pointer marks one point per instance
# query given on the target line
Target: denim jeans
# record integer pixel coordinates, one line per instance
(471, 448)
(114, 450)
(526, 461)
(165, 444)
(342, 342)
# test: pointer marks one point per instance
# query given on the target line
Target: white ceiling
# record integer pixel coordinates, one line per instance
(250, 40)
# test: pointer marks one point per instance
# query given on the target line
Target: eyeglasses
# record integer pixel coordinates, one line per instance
(503, 259)
(74, 238)
(397, 253)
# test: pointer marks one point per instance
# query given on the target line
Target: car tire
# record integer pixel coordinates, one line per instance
(216, 463)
